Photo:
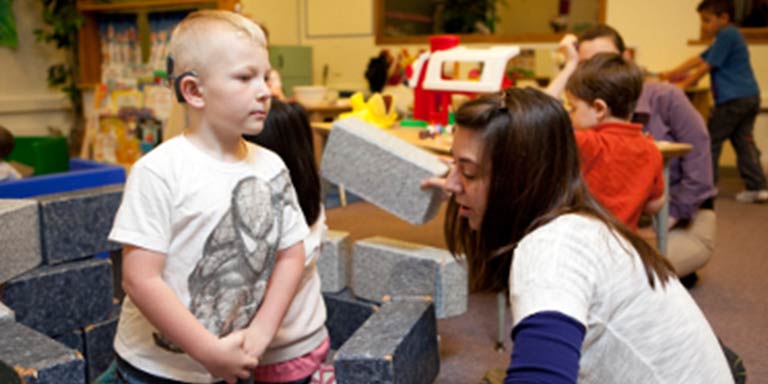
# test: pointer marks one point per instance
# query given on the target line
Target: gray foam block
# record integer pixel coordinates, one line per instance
(334, 261)
(58, 299)
(99, 339)
(37, 359)
(76, 224)
(382, 169)
(19, 236)
(398, 344)
(386, 267)
(345, 314)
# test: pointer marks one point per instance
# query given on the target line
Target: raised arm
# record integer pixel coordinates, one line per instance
(568, 45)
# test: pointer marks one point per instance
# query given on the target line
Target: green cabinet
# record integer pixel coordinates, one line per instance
(294, 63)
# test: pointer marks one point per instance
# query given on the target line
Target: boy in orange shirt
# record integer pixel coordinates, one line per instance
(622, 166)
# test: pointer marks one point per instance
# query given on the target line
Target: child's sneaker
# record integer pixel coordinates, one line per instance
(760, 196)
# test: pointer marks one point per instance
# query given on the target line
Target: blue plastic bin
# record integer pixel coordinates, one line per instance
(82, 174)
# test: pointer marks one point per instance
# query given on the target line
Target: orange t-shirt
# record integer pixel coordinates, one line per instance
(622, 168)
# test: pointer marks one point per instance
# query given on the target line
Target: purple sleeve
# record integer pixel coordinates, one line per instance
(547, 348)
(691, 176)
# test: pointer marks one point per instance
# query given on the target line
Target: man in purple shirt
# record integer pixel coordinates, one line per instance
(667, 114)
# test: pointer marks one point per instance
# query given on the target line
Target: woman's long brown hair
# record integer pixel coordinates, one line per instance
(535, 177)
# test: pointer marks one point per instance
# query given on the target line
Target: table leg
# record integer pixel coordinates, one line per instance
(501, 307)
(663, 215)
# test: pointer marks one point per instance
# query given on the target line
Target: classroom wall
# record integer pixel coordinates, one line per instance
(27, 106)
(344, 45)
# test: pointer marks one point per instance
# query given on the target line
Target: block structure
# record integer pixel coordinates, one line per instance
(98, 339)
(58, 299)
(382, 169)
(20, 249)
(398, 344)
(75, 224)
(346, 314)
(37, 359)
(334, 261)
(386, 267)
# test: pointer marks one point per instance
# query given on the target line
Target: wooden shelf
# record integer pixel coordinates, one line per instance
(99, 6)
(89, 39)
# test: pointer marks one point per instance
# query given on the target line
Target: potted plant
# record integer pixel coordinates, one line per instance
(62, 23)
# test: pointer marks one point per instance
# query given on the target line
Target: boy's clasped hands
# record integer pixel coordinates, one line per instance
(235, 355)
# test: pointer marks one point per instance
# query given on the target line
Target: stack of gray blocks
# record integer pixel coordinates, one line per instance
(385, 267)
(382, 169)
(397, 344)
(60, 309)
(333, 264)
(19, 236)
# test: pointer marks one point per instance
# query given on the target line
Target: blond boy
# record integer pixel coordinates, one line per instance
(210, 224)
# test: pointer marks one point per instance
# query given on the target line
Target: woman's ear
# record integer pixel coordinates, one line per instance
(601, 109)
(191, 91)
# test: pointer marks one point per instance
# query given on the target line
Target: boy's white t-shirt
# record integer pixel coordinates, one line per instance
(634, 334)
(220, 225)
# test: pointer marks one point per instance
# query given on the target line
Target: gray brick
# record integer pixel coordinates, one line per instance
(334, 261)
(386, 267)
(19, 236)
(382, 169)
(58, 299)
(75, 224)
(37, 359)
(345, 314)
(6, 313)
(99, 339)
(398, 344)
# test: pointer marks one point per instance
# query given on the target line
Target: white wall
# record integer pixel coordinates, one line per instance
(27, 106)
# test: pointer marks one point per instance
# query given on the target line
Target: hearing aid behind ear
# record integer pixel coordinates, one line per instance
(177, 79)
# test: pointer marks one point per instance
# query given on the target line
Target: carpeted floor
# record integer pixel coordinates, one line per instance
(732, 290)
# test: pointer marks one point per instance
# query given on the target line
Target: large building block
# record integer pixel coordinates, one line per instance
(99, 339)
(37, 359)
(382, 169)
(346, 314)
(6, 313)
(386, 267)
(19, 236)
(398, 344)
(334, 261)
(76, 224)
(73, 340)
(62, 298)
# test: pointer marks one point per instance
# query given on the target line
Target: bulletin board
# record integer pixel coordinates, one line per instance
(338, 18)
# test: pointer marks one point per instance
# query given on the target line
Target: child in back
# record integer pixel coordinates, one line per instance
(736, 94)
(622, 167)
(211, 228)
(287, 132)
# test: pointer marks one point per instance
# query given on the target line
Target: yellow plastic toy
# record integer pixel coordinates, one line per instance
(379, 110)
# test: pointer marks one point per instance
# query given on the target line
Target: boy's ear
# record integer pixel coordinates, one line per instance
(601, 109)
(189, 87)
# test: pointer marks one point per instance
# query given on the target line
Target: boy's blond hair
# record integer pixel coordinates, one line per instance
(192, 36)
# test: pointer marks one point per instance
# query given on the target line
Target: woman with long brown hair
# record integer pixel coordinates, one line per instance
(591, 301)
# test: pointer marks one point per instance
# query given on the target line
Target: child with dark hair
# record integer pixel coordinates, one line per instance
(621, 166)
(736, 94)
(7, 172)
(591, 301)
(287, 133)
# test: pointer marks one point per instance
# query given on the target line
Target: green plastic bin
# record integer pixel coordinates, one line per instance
(45, 154)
